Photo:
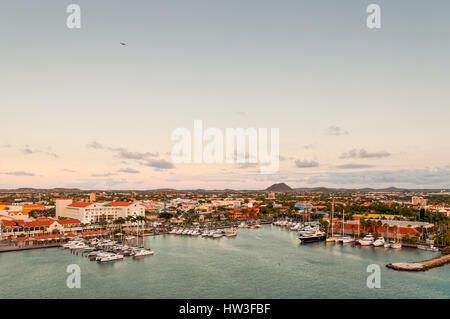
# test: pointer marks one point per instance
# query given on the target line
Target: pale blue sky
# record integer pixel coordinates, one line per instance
(301, 66)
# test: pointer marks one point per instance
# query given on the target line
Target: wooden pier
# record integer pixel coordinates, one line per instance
(421, 266)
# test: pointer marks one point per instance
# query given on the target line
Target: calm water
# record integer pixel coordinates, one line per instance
(261, 263)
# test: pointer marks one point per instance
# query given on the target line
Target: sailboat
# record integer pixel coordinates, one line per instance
(331, 239)
(396, 244)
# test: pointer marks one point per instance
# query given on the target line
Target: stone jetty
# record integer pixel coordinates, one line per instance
(422, 265)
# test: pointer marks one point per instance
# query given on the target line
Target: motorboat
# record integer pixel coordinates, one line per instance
(379, 242)
(396, 245)
(346, 239)
(367, 240)
(217, 235)
(111, 257)
(143, 253)
(317, 235)
(232, 233)
(242, 225)
(429, 248)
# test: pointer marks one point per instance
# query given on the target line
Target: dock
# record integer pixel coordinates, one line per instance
(421, 266)
(20, 248)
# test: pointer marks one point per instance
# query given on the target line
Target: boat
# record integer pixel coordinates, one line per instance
(387, 244)
(232, 233)
(242, 225)
(346, 239)
(379, 242)
(217, 235)
(313, 237)
(396, 245)
(366, 241)
(429, 248)
(111, 257)
(143, 253)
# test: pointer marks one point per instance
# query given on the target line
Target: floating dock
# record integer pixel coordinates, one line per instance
(421, 266)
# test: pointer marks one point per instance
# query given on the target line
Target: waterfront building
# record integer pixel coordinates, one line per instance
(94, 212)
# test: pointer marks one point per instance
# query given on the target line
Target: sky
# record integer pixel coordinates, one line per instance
(355, 107)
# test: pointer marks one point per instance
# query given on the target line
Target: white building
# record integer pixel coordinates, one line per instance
(419, 201)
(94, 212)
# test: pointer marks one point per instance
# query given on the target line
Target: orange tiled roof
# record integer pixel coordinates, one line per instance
(79, 204)
(116, 204)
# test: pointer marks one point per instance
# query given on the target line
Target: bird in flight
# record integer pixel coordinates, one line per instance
(123, 43)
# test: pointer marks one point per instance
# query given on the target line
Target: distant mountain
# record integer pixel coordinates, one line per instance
(280, 187)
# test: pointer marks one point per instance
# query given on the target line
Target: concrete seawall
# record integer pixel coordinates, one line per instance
(421, 266)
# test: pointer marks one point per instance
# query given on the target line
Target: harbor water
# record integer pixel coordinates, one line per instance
(268, 262)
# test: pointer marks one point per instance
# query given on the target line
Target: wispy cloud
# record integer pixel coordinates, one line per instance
(160, 164)
(18, 173)
(103, 175)
(128, 170)
(336, 130)
(28, 151)
(246, 165)
(306, 163)
(353, 165)
(95, 145)
(68, 170)
(362, 153)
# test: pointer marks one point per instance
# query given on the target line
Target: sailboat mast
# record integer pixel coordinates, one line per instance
(332, 213)
(343, 222)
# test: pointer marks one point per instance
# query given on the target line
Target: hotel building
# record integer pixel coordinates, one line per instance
(94, 212)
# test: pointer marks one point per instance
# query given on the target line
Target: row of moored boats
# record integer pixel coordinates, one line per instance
(204, 233)
(104, 250)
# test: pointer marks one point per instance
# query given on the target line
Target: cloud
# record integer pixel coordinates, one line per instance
(28, 151)
(128, 170)
(125, 154)
(246, 165)
(103, 175)
(95, 145)
(5, 146)
(336, 131)
(308, 146)
(362, 153)
(354, 165)
(306, 163)
(68, 170)
(159, 164)
(18, 173)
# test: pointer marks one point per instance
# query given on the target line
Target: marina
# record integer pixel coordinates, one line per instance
(266, 262)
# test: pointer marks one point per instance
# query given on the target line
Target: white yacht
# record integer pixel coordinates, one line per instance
(217, 234)
(379, 242)
(111, 257)
(232, 233)
(346, 239)
(396, 245)
(143, 253)
(366, 241)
